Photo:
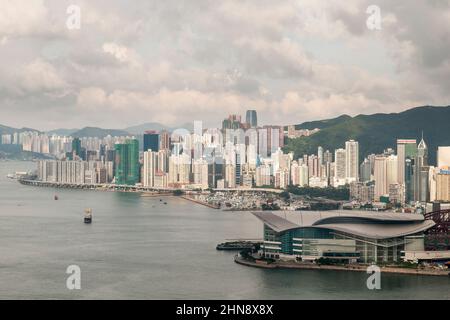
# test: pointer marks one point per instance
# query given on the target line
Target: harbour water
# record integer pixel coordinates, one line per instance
(139, 248)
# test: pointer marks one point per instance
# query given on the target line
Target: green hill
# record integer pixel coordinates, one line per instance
(378, 131)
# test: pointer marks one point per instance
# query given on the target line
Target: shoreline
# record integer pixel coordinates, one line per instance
(200, 202)
(354, 268)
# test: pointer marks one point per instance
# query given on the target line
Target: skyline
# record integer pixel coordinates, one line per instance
(187, 125)
(177, 62)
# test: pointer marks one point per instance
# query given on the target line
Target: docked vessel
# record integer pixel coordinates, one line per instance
(88, 216)
(237, 246)
(19, 175)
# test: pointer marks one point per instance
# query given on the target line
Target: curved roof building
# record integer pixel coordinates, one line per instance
(344, 235)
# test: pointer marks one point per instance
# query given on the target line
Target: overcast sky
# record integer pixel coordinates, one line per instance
(175, 61)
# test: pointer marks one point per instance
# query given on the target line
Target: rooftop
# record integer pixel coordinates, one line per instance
(373, 225)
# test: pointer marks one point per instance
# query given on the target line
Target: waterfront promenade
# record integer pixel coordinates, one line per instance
(351, 267)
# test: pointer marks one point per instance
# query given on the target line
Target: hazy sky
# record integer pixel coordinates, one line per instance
(175, 61)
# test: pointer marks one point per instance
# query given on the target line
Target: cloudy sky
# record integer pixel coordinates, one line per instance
(176, 61)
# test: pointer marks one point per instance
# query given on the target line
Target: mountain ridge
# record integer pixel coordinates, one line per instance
(379, 131)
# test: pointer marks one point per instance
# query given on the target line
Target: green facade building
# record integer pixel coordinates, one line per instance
(127, 167)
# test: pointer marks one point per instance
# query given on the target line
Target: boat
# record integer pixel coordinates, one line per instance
(88, 216)
(236, 246)
(19, 175)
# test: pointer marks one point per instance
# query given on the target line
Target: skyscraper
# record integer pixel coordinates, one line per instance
(380, 175)
(252, 118)
(421, 173)
(149, 168)
(339, 167)
(151, 141)
(352, 160)
(443, 157)
(406, 148)
(127, 162)
(76, 147)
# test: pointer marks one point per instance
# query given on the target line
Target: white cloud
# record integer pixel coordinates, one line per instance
(178, 61)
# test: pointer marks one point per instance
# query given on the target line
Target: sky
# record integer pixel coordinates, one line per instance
(176, 61)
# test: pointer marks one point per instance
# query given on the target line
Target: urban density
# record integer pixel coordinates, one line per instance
(243, 155)
(383, 218)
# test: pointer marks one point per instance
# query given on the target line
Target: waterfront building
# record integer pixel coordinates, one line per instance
(179, 170)
(200, 173)
(127, 167)
(73, 172)
(216, 172)
(161, 180)
(342, 236)
(149, 168)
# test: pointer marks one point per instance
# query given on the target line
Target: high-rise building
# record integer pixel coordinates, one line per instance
(164, 140)
(391, 170)
(339, 167)
(151, 141)
(421, 173)
(149, 168)
(409, 179)
(406, 148)
(443, 157)
(127, 162)
(320, 155)
(200, 173)
(352, 160)
(252, 118)
(380, 177)
(365, 170)
(232, 122)
(443, 187)
(76, 147)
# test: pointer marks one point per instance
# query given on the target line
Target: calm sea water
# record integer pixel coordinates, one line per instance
(139, 248)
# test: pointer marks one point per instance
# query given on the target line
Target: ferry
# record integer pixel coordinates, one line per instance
(19, 175)
(88, 216)
(237, 246)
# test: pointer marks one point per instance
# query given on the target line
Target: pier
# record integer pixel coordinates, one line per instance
(98, 187)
